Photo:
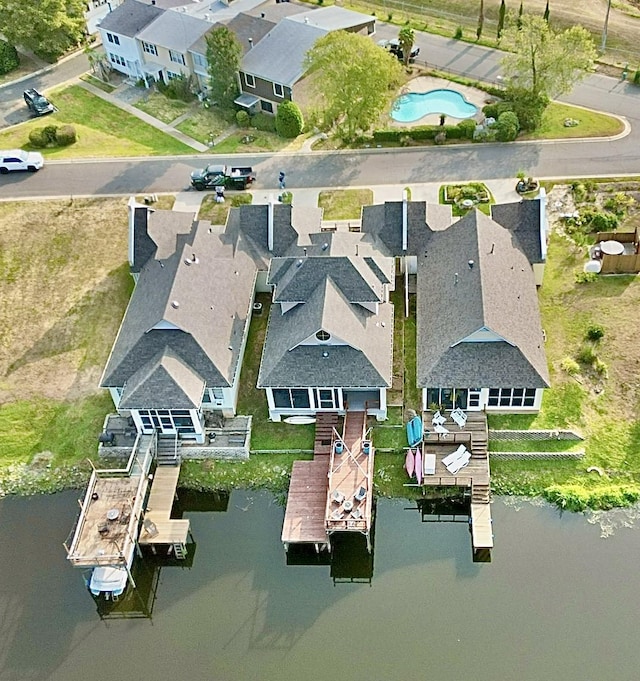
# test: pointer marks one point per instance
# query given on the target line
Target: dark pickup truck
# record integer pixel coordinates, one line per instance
(222, 176)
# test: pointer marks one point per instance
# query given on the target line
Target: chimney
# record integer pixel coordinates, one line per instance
(405, 220)
(270, 226)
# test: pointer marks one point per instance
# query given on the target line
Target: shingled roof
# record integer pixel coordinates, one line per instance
(358, 353)
(130, 18)
(522, 219)
(475, 279)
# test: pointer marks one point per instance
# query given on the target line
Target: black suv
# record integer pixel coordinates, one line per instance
(38, 104)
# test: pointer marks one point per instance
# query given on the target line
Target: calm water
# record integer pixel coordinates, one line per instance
(415, 105)
(557, 602)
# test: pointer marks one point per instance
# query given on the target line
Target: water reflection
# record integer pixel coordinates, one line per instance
(556, 601)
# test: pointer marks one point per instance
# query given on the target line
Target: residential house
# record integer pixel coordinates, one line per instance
(271, 69)
(118, 30)
(179, 350)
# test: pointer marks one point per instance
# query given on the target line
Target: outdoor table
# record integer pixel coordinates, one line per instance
(612, 247)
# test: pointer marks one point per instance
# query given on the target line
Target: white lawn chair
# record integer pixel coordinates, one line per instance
(459, 418)
(337, 496)
(459, 463)
(438, 419)
(440, 429)
(454, 456)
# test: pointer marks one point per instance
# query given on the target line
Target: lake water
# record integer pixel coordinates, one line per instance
(557, 601)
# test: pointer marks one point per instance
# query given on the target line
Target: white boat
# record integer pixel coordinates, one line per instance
(109, 580)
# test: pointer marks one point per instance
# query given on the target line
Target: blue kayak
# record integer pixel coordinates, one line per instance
(414, 431)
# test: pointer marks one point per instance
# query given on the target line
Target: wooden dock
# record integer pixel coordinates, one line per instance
(304, 516)
(481, 526)
(158, 527)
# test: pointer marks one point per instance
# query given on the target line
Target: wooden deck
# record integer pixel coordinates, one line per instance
(304, 516)
(158, 511)
(481, 526)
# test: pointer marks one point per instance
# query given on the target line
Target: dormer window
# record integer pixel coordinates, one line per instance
(323, 336)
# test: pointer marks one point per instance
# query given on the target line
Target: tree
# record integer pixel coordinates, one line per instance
(9, 59)
(289, 120)
(99, 63)
(406, 38)
(47, 27)
(544, 63)
(223, 56)
(353, 77)
(480, 20)
(546, 12)
(520, 12)
(501, 16)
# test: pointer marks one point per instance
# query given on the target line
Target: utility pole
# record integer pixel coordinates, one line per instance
(603, 46)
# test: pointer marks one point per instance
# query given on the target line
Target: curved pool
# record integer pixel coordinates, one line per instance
(415, 105)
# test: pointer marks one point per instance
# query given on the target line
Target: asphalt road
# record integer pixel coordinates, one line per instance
(369, 167)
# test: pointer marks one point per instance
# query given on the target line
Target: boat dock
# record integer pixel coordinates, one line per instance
(334, 492)
(158, 528)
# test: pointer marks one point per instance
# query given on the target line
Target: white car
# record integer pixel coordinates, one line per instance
(18, 159)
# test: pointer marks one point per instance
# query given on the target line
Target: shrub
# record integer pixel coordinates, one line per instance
(619, 203)
(181, 87)
(528, 108)
(466, 128)
(577, 498)
(586, 277)
(594, 333)
(242, 118)
(289, 120)
(600, 367)
(587, 355)
(37, 138)
(66, 135)
(570, 366)
(636, 77)
(441, 137)
(597, 221)
(50, 133)
(9, 59)
(264, 122)
(507, 127)
(494, 110)
(458, 34)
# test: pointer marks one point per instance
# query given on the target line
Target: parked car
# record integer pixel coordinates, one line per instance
(38, 104)
(18, 159)
(393, 46)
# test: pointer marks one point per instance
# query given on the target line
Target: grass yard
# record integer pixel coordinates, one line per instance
(204, 124)
(217, 213)
(344, 204)
(65, 285)
(163, 108)
(257, 141)
(103, 130)
(592, 124)
(97, 82)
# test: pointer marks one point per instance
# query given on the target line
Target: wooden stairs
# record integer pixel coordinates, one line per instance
(167, 450)
(326, 421)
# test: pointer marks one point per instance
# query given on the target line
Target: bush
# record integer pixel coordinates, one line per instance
(264, 122)
(586, 277)
(577, 498)
(289, 120)
(594, 333)
(528, 107)
(597, 221)
(181, 87)
(587, 355)
(494, 110)
(9, 59)
(570, 366)
(466, 128)
(507, 127)
(600, 367)
(458, 34)
(636, 77)
(66, 135)
(242, 118)
(37, 138)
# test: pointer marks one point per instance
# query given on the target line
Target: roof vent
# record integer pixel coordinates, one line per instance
(306, 20)
(250, 42)
(175, 304)
(325, 245)
(299, 263)
(193, 260)
(325, 354)
(455, 278)
(471, 264)
(493, 248)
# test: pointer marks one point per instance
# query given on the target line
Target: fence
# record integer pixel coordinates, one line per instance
(531, 435)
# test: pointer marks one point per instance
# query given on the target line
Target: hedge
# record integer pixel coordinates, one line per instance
(464, 130)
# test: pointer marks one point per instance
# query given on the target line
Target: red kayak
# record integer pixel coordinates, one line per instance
(409, 463)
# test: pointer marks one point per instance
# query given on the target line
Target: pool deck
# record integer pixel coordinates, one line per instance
(428, 83)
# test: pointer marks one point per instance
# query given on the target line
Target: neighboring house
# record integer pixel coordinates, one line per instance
(118, 30)
(271, 69)
(180, 346)
(329, 343)
(96, 11)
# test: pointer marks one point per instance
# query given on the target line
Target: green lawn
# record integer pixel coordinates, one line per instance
(205, 124)
(344, 204)
(592, 124)
(163, 108)
(103, 130)
(258, 141)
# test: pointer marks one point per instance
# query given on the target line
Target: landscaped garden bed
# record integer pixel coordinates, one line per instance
(463, 197)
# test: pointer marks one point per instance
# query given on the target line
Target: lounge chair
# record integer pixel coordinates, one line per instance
(454, 456)
(337, 496)
(459, 417)
(440, 429)
(459, 463)
(361, 494)
(356, 514)
(438, 419)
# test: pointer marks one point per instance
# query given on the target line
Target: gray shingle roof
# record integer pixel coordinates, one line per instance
(244, 26)
(130, 18)
(362, 357)
(383, 226)
(333, 18)
(523, 220)
(175, 31)
(279, 56)
(143, 245)
(497, 293)
(201, 327)
(165, 382)
(296, 279)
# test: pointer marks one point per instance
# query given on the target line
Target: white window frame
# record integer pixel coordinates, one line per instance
(113, 38)
(249, 80)
(200, 60)
(276, 93)
(177, 57)
(117, 59)
(150, 48)
(172, 74)
(512, 398)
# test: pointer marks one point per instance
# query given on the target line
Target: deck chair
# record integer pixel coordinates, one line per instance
(438, 419)
(337, 496)
(459, 463)
(361, 494)
(459, 418)
(440, 429)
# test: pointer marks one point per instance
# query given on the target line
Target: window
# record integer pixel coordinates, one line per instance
(166, 421)
(199, 60)
(176, 57)
(323, 336)
(326, 398)
(113, 39)
(266, 106)
(150, 49)
(448, 398)
(278, 90)
(117, 59)
(511, 397)
(171, 75)
(249, 80)
(291, 398)
(218, 394)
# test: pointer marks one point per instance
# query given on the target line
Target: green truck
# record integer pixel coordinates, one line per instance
(222, 176)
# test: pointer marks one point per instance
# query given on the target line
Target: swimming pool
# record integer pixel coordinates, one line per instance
(414, 105)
